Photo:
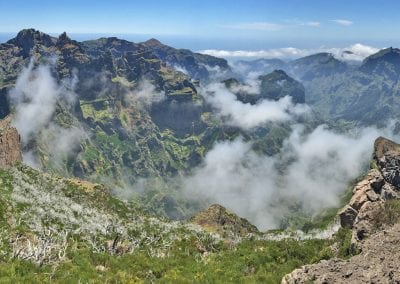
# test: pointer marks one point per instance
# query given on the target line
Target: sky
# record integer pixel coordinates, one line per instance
(212, 24)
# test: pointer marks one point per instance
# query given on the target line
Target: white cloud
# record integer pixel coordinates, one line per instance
(145, 94)
(34, 99)
(246, 116)
(259, 26)
(312, 24)
(358, 52)
(312, 170)
(343, 22)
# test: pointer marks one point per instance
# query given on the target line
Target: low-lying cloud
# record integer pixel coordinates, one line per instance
(356, 51)
(145, 94)
(312, 169)
(244, 115)
(34, 100)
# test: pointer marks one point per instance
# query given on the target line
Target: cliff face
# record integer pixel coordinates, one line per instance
(10, 146)
(375, 226)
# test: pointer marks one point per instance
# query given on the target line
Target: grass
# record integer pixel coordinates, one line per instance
(249, 262)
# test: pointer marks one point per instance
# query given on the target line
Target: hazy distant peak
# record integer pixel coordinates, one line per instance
(153, 42)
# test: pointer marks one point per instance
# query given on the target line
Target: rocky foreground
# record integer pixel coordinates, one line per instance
(375, 231)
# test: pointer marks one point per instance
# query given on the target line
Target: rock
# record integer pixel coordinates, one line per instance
(387, 157)
(389, 192)
(218, 219)
(358, 199)
(10, 145)
(375, 264)
(347, 216)
(377, 184)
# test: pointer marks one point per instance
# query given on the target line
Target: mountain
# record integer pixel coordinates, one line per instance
(316, 65)
(367, 95)
(273, 86)
(197, 66)
(123, 112)
(385, 63)
(278, 84)
(108, 70)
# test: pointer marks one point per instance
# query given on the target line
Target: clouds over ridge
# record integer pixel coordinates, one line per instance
(357, 51)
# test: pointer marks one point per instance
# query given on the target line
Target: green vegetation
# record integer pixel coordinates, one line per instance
(250, 262)
(109, 240)
(98, 110)
(389, 215)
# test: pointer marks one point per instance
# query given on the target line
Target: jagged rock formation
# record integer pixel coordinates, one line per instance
(217, 218)
(376, 263)
(10, 145)
(369, 195)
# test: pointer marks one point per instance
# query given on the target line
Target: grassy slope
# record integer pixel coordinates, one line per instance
(93, 237)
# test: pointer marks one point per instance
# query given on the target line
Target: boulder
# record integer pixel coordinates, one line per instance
(347, 216)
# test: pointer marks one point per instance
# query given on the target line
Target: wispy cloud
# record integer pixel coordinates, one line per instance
(298, 22)
(343, 22)
(354, 52)
(311, 24)
(268, 26)
(258, 26)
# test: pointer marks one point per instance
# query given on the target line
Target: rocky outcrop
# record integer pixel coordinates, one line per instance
(10, 145)
(369, 195)
(217, 218)
(376, 263)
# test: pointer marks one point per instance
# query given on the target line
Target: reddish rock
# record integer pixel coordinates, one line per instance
(10, 145)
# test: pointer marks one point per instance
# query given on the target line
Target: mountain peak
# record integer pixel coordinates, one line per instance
(63, 39)
(385, 62)
(27, 38)
(153, 42)
(64, 36)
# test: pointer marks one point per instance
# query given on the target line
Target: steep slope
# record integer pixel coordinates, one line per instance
(57, 230)
(373, 216)
(110, 75)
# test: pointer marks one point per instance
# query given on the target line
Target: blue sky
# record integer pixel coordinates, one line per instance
(233, 24)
